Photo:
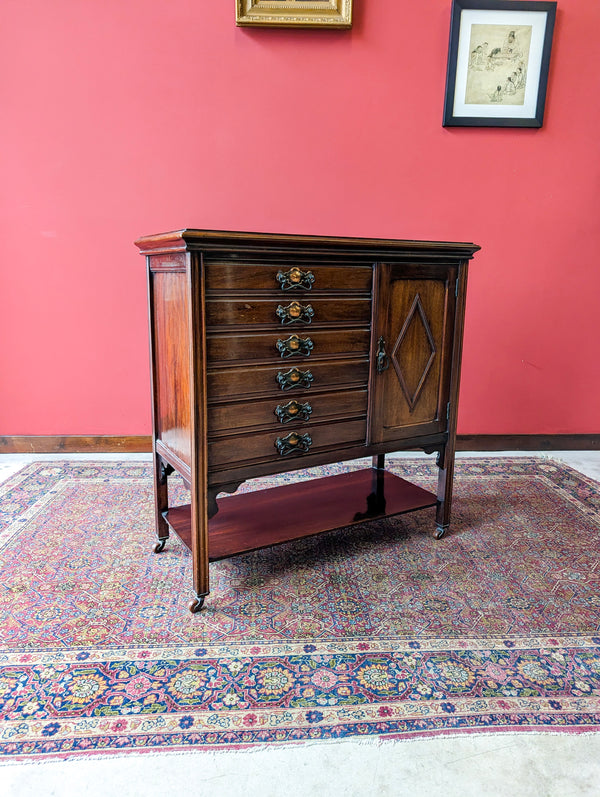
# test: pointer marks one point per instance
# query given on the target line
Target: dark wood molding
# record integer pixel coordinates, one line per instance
(142, 444)
(74, 444)
(528, 442)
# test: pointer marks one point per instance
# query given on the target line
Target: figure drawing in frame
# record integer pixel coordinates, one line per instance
(497, 68)
(498, 62)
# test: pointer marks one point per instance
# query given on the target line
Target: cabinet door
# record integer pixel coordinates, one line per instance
(412, 351)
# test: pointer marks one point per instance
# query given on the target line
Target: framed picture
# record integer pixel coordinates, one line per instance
(498, 62)
(294, 13)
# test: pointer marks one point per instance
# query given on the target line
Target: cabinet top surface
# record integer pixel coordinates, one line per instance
(215, 240)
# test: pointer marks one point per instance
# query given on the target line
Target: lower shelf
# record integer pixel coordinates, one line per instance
(262, 518)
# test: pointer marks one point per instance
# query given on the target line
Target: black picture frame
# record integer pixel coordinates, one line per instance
(495, 79)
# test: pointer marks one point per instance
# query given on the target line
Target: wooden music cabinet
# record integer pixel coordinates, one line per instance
(272, 353)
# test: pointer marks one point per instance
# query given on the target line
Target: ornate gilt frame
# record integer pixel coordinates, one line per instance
(294, 13)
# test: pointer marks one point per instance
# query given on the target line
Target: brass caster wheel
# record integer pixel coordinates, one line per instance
(439, 532)
(195, 605)
(160, 545)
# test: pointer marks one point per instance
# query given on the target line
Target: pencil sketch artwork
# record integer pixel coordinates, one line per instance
(497, 69)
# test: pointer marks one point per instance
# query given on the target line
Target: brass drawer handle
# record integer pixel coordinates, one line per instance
(293, 442)
(292, 411)
(294, 378)
(294, 345)
(295, 313)
(295, 278)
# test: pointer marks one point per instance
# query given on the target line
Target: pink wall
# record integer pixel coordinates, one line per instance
(126, 118)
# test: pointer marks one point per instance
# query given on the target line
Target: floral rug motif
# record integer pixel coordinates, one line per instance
(374, 630)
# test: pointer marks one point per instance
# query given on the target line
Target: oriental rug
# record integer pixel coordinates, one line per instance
(374, 630)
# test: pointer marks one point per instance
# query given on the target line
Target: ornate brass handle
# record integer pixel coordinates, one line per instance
(294, 345)
(293, 411)
(294, 378)
(295, 313)
(295, 278)
(293, 442)
(383, 361)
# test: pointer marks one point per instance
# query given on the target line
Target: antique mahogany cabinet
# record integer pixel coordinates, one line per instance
(272, 353)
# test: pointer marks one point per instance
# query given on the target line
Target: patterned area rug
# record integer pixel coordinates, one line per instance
(374, 630)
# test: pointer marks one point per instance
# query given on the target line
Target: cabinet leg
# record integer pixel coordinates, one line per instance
(376, 506)
(445, 463)
(161, 501)
(200, 515)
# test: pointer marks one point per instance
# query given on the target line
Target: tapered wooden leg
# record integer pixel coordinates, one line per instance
(161, 501)
(377, 498)
(199, 541)
(445, 462)
(379, 461)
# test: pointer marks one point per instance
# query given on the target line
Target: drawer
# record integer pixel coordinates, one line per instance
(263, 446)
(287, 313)
(229, 382)
(283, 412)
(293, 279)
(287, 345)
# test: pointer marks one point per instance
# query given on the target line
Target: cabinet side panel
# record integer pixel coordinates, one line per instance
(171, 336)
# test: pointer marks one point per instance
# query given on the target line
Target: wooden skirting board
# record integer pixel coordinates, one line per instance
(113, 444)
(74, 444)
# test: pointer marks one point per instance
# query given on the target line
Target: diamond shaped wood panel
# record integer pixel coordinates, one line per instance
(414, 352)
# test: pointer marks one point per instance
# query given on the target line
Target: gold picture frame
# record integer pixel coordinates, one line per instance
(294, 13)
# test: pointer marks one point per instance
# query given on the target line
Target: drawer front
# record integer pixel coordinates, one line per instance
(286, 278)
(293, 346)
(286, 314)
(284, 412)
(272, 380)
(288, 444)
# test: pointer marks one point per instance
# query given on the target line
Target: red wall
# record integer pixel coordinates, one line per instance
(126, 118)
